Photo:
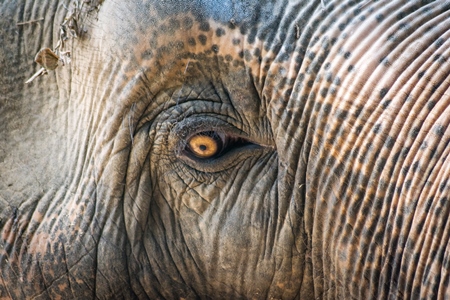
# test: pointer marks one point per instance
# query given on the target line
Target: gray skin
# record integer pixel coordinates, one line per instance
(332, 180)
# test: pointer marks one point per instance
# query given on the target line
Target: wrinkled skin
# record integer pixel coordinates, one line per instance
(334, 183)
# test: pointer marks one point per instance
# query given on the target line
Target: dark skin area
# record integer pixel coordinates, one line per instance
(237, 149)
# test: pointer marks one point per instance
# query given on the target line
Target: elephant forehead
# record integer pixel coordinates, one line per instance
(165, 41)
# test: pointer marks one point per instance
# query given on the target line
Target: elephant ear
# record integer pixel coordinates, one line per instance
(30, 110)
(23, 30)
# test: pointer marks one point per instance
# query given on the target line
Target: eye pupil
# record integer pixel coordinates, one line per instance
(203, 147)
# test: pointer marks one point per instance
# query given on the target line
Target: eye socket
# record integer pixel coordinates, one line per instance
(206, 144)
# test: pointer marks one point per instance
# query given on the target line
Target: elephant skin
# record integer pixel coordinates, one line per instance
(225, 149)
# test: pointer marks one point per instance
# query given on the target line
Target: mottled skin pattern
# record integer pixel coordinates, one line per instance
(341, 190)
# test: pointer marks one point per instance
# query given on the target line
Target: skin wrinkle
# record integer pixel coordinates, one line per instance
(157, 263)
(337, 162)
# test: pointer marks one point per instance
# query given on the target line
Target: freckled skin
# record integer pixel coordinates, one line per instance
(333, 183)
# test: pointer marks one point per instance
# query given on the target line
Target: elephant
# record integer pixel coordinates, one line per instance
(243, 149)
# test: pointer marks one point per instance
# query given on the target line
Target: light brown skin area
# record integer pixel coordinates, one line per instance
(346, 197)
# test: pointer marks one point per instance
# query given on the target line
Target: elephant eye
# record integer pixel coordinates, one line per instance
(206, 144)
(211, 144)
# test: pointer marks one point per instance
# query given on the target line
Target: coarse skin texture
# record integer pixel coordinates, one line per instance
(337, 189)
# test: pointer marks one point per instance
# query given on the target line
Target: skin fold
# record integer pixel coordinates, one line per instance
(331, 176)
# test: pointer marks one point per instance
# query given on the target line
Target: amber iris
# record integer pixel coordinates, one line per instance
(204, 145)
